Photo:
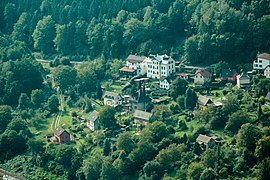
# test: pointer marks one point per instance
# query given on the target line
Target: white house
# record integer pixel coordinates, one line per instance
(160, 66)
(262, 61)
(165, 83)
(243, 80)
(112, 99)
(92, 121)
(266, 71)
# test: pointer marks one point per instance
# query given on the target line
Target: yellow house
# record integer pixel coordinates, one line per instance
(201, 77)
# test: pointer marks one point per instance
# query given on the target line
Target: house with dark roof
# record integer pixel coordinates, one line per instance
(243, 80)
(228, 74)
(142, 117)
(112, 99)
(93, 122)
(205, 141)
(61, 135)
(202, 76)
(204, 101)
(165, 83)
(262, 61)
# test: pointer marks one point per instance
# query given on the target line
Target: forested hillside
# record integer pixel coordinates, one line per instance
(199, 31)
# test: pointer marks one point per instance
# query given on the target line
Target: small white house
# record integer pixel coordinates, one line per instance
(243, 80)
(112, 99)
(263, 60)
(92, 121)
(135, 62)
(165, 83)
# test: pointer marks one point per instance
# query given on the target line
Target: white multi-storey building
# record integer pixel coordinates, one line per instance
(160, 66)
(263, 60)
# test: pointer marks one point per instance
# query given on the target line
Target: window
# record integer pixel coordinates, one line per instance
(260, 65)
(260, 61)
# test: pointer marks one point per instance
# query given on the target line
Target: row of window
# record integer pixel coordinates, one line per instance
(256, 65)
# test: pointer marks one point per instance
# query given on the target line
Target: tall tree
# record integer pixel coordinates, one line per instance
(44, 35)
(106, 117)
(190, 99)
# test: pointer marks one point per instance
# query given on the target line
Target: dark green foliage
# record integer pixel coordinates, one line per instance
(106, 117)
(262, 148)
(208, 173)
(53, 104)
(248, 136)
(106, 147)
(5, 117)
(263, 171)
(190, 99)
(236, 120)
(179, 87)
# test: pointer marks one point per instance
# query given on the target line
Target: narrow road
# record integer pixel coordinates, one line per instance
(48, 61)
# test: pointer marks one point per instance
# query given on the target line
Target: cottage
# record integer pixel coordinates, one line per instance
(142, 117)
(112, 99)
(93, 122)
(204, 101)
(266, 71)
(262, 61)
(127, 71)
(243, 80)
(202, 76)
(205, 141)
(160, 66)
(61, 135)
(165, 83)
(228, 74)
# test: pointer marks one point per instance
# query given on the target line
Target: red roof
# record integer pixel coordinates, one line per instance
(204, 73)
(264, 56)
(126, 69)
(182, 74)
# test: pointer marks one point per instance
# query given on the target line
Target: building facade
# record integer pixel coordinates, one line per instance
(160, 66)
(263, 60)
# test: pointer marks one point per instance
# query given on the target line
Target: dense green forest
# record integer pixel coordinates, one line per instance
(198, 31)
(103, 33)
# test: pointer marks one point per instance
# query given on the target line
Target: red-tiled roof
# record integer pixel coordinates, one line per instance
(182, 74)
(264, 56)
(204, 73)
(126, 69)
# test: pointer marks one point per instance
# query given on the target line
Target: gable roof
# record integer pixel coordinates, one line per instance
(204, 73)
(227, 72)
(267, 97)
(169, 79)
(134, 58)
(59, 131)
(93, 116)
(243, 76)
(126, 69)
(204, 100)
(110, 95)
(182, 74)
(268, 66)
(203, 139)
(142, 115)
(264, 56)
